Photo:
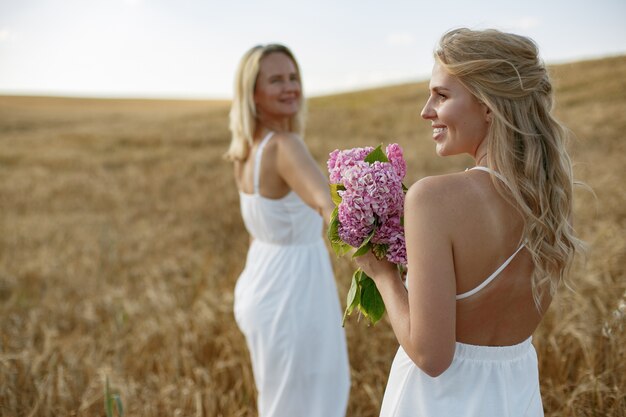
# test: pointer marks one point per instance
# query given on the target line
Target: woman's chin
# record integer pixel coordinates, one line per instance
(440, 150)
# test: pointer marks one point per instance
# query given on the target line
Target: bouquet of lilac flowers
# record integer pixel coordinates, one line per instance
(366, 187)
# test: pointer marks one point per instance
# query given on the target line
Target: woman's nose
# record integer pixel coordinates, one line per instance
(428, 112)
(293, 86)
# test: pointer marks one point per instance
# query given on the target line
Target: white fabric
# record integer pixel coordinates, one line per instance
(482, 381)
(287, 307)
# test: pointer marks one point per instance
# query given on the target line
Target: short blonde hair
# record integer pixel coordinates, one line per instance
(525, 143)
(243, 113)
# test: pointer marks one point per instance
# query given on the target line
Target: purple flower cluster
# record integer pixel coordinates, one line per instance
(396, 157)
(373, 199)
(340, 161)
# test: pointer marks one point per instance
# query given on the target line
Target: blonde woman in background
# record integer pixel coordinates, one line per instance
(486, 247)
(286, 300)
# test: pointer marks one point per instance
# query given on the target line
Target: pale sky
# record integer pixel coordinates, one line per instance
(191, 48)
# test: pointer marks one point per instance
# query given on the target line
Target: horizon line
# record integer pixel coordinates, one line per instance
(197, 97)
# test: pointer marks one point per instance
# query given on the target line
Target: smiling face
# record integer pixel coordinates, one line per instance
(460, 122)
(277, 93)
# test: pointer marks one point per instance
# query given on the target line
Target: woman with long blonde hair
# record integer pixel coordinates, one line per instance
(487, 247)
(286, 301)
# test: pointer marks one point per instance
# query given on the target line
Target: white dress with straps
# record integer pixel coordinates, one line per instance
(286, 305)
(482, 381)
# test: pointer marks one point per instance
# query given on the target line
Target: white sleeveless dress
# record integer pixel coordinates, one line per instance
(286, 305)
(482, 381)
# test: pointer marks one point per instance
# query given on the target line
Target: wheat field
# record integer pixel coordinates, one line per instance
(121, 241)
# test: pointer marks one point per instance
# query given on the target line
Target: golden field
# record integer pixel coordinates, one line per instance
(121, 241)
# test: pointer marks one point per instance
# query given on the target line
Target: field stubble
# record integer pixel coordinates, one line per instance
(121, 240)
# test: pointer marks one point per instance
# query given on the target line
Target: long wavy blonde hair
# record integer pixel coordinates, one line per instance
(243, 113)
(526, 144)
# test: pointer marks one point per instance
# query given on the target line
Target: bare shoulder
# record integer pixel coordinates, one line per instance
(449, 197)
(290, 146)
(287, 140)
(439, 189)
(283, 146)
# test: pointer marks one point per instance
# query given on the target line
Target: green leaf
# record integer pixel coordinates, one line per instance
(376, 155)
(108, 401)
(362, 250)
(118, 405)
(111, 399)
(360, 276)
(372, 305)
(333, 226)
(354, 296)
(365, 246)
(334, 194)
(339, 247)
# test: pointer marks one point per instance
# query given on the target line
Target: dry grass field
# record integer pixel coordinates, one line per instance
(121, 241)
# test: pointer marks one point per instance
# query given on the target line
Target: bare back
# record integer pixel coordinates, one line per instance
(488, 232)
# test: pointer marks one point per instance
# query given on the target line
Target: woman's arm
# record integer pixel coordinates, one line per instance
(424, 317)
(300, 171)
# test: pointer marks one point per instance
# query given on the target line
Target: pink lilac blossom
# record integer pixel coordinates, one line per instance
(388, 231)
(340, 161)
(396, 157)
(396, 249)
(373, 197)
(372, 192)
(396, 252)
(391, 233)
(356, 219)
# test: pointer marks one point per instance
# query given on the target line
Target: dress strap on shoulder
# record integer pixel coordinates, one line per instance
(494, 172)
(257, 160)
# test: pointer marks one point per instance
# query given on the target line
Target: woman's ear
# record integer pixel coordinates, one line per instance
(488, 113)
